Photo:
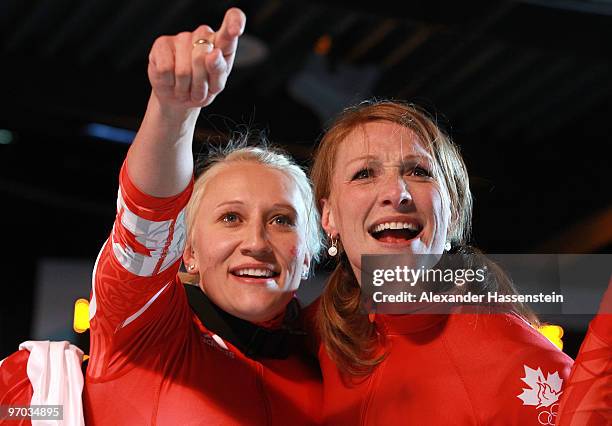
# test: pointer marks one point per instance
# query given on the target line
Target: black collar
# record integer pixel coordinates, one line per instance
(252, 340)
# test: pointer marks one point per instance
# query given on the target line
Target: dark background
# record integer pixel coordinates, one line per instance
(523, 87)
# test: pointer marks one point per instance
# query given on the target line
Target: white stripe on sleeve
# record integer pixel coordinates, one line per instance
(144, 308)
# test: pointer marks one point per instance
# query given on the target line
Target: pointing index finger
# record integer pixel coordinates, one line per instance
(232, 27)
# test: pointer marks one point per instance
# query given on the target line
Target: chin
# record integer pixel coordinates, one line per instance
(259, 311)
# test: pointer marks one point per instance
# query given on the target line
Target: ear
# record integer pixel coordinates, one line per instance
(190, 259)
(327, 218)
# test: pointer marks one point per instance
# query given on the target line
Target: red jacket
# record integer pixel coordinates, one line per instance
(452, 370)
(15, 386)
(587, 399)
(153, 361)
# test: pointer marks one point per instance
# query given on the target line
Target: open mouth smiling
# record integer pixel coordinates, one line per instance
(254, 272)
(398, 231)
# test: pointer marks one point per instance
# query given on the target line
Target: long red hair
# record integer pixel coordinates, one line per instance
(349, 337)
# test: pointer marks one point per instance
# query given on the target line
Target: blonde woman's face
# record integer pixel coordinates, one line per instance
(383, 198)
(248, 245)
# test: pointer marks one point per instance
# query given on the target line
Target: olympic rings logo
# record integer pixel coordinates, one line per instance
(549, 417)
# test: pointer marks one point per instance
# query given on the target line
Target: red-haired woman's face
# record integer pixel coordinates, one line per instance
(383, 198)
(247, 244)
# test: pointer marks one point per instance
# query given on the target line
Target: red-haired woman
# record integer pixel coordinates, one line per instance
(389, 182)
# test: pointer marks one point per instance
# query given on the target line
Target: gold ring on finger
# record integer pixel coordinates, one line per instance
(201, 41)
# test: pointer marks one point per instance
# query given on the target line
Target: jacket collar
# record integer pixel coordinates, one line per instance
(252, 340)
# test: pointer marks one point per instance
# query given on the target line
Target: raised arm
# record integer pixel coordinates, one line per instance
(187, 71)
(587, 399)
(136, 303)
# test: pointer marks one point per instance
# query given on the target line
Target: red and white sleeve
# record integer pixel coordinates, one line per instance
(588, 394)
(135, 301)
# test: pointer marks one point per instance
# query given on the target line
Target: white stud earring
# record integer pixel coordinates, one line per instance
(447, 246)
(333, 249)
(191, 267)
(305, 273)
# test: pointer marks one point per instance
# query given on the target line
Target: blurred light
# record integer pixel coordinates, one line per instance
(323, 45)
(251, 51)
(81, 315)
(113, 134)
(554, 333)
(6, 137)
(328, 90)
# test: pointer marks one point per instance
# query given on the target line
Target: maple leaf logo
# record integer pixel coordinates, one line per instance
(542, 392)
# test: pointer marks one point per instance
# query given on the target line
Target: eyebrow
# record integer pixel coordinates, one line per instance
(284, 206)
(241, 203)
(404, 159)
(226, 203)
(362, 158)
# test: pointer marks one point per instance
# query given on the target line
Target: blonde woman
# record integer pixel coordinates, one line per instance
(226, 351)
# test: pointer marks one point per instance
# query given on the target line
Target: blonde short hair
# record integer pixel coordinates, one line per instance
(268, 156)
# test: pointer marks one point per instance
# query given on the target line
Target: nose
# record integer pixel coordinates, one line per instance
(256, 243)
(395, 192)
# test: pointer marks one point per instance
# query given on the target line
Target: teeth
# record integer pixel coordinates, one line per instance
(396, 225)
(254, 272)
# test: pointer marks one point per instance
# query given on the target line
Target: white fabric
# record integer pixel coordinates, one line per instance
(144, 308)
(54, 370)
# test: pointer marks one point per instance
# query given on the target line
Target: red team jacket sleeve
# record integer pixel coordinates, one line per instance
(15, 386)
(588, 395)
(135, 302)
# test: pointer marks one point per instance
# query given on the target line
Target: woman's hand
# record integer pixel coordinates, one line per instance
(190, 69)
(187, 71)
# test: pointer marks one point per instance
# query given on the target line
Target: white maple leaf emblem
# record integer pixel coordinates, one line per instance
(542, 392)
